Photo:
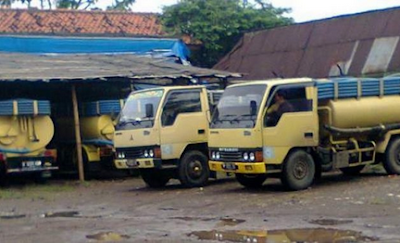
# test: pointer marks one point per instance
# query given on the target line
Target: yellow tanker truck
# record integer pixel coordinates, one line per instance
(25, 130)
(298, 128)
(97, 132)
(163, 133)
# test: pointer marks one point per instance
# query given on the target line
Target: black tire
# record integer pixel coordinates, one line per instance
(155, 178)
(391, 163)
(352, 171)
(298, 170)
(193, 169)
(251, 180)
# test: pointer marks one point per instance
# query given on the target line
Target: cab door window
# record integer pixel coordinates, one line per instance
(286, 100)
(183, 101)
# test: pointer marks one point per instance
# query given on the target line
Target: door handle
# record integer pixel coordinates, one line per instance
(308, 135)
(201, 131)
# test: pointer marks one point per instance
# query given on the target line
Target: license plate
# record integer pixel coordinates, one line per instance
(31, 164)
(230, 166)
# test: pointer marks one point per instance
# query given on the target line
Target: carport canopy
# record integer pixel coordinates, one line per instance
(43, 76)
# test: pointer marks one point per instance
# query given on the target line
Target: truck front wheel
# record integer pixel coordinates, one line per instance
(155, 178)
(298, 170)
(392, 157)
(251, 181)
(193, 169)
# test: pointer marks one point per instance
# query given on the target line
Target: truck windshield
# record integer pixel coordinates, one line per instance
(139, 110)
(238, 107)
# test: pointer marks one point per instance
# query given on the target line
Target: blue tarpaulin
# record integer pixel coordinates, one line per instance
(71, 45)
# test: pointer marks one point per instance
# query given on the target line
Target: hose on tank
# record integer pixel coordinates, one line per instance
(375, 129)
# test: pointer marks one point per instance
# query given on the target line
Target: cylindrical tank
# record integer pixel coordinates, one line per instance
(93, 127)
(365, 112)
(26, 134)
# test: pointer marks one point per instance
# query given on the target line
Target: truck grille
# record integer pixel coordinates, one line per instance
(131, 152)
(231, 156)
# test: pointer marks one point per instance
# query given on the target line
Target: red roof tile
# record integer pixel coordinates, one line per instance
(69, 22)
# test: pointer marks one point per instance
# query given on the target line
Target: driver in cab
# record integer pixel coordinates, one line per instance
(280, 106)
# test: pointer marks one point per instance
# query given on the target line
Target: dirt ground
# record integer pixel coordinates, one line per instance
(336, 209)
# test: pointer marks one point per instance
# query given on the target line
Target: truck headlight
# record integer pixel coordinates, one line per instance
(245, 156)
(217, 155)
(151, 153)
(121, 155)
(146, 153)
(252, 156)
(213, 155)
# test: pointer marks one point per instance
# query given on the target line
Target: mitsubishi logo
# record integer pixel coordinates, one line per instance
(131, 139)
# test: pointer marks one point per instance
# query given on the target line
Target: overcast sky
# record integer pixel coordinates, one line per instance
(302, 10)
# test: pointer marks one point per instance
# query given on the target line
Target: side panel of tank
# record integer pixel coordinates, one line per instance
(364, 112)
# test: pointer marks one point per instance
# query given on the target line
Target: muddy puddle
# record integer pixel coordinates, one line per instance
(107, 237)
(230, 222)
(222, 221)
(330, 222)
(320, 235)
(12, 216)
(69, 214)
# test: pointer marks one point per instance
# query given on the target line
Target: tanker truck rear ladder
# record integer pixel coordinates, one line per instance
(350, 149)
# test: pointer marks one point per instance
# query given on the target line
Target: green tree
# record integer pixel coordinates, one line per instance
(219, 24)
(123, 5)
(76, 4)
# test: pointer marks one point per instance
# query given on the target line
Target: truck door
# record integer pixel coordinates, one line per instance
(183, 121)
(290, 120)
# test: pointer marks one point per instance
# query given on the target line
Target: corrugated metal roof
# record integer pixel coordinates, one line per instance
(81, 68)
(362, 44)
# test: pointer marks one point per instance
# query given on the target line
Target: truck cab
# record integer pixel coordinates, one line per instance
(163, 132)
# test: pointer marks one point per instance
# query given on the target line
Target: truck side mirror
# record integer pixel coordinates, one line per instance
(253, 108)
(149, 110)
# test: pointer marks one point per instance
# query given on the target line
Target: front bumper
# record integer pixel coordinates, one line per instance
(142, 163)
(30, 164)
(238, 167)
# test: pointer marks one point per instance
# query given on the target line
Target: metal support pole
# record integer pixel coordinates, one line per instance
(77, 134)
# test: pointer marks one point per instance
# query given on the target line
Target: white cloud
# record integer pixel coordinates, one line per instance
(302, 10)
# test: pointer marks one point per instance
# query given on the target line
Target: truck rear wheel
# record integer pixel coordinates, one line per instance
(155, 178)
(298, 170)
(250, 180)
(392, 157)
(193, 169)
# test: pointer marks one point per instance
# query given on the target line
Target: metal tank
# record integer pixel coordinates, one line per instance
(93, 127)
(364, 112)
(24, 134)
(25, 127)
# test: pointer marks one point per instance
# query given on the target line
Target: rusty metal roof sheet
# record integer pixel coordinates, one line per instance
(361, 44)
(82, 68)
